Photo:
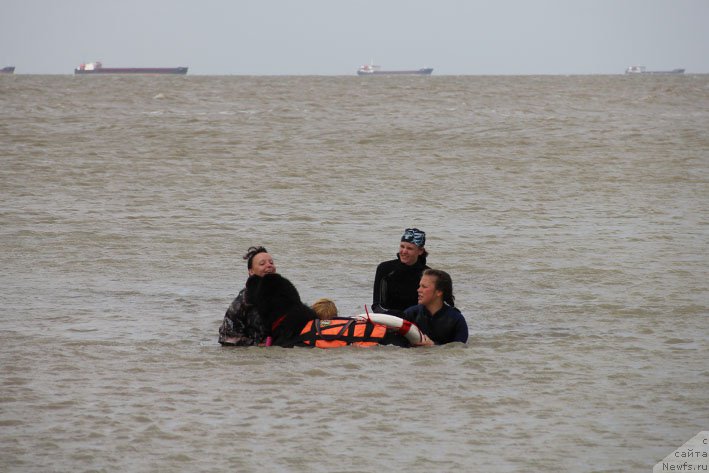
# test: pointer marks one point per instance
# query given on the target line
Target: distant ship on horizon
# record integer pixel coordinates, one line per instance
(97, 68)
(7, 70)
(643, 70)
(374, 70)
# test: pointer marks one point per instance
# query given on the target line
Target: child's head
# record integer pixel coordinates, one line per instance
(325, 309)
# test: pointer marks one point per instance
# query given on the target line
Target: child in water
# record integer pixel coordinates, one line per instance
(325, 309)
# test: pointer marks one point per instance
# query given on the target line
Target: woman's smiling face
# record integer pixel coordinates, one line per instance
(261, 264)
(409, 253)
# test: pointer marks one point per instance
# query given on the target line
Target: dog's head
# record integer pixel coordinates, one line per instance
(278, 303)
(272, 294)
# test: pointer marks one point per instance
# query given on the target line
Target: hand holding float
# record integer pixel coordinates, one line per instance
(403, 327)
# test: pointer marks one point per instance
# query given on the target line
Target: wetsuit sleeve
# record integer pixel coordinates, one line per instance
(233, 330)
(377, 295)
(461, 331)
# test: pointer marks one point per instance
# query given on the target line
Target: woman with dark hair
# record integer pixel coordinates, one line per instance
(395, 281)
(436, 315)
(242, 324)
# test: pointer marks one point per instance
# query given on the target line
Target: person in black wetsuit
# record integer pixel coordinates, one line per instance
(435, 314)
(396, 281)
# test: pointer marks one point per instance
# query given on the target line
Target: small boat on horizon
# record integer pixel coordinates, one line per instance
(97, 68)
(374, 70)
(7, 70)
(643, 70)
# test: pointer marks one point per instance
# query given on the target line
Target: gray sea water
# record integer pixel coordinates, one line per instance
(571, 211)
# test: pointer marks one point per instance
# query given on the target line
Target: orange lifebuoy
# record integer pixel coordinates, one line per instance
(403, 327)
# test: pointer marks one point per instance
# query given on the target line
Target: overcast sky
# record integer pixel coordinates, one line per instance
(334, 37)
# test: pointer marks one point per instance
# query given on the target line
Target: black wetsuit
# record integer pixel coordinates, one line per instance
(395, 286)
(445, 326)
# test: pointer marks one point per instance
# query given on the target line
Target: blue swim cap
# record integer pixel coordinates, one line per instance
(415, 236)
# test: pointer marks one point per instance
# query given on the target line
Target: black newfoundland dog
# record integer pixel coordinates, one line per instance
(278, 303)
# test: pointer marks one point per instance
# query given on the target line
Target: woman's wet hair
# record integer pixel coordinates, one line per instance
(251, 252)
(443, 283)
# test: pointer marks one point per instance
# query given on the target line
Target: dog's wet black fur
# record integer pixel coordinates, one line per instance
(274, 297)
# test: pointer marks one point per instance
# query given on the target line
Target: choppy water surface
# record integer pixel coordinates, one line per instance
(570, 211)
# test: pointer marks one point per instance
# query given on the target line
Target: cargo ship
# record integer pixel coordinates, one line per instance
(97, 68)
(374, 70)
(7, 70)
(643, 70)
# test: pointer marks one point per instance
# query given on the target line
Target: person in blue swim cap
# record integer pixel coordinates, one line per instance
(396, 281)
